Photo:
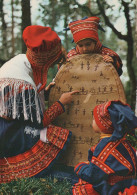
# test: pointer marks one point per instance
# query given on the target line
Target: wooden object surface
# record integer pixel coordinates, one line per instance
(97, 82)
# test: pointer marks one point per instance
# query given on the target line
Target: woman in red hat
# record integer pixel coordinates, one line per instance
(29, 144)
(112, 164)
(85, 35)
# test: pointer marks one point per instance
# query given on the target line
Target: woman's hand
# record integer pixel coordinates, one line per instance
(66, 98)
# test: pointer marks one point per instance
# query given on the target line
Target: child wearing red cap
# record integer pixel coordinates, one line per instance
(29, 143)
(85, 35)
(112, 165)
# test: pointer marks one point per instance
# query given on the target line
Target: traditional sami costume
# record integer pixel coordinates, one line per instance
(112, 164)
(29, 144)
(88, 28)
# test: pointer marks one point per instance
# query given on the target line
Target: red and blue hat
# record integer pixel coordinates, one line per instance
(115, 117)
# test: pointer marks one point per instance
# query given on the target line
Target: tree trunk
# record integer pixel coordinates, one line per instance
(26, 19)
(136, 101)
(136, 57)
(53, 14)
(130, 45)
(66, 34)
(130, 54)
(12, 28)
(131, 72)
(4, 34)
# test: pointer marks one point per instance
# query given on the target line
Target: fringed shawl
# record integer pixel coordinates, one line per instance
(18, 92)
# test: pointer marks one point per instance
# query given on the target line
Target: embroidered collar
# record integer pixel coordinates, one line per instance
(103, 135)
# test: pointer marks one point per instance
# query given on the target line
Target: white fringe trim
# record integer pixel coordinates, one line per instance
(11, 91)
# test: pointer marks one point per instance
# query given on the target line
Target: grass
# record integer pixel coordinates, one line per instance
(36, 186)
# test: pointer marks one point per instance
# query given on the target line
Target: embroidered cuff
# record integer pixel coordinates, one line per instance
(61, 105)
(55, 110)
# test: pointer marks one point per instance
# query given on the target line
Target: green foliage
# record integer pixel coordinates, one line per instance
(36, 186)
(132, 139)
(52, 73)
(127, 91)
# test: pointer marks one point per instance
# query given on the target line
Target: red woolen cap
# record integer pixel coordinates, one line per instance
(43, 49)
(40, 38)
(83, 29)
(102, 117)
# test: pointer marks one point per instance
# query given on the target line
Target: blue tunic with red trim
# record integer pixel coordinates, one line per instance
(29, 143)
(111, 163)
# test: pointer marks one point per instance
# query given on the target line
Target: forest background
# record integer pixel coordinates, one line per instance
(118, 18)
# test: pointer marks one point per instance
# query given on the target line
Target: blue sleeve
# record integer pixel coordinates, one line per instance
(90, 154)
(90, 173)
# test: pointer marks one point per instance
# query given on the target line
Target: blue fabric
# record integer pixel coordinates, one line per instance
(105, 189)
(13, 140)
(120, 186)
(93, 174)
(123, 120)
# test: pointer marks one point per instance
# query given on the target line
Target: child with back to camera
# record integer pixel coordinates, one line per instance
(85, 35)
(111, 166)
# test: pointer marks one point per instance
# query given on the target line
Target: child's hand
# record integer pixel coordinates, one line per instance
(49, 86)
(107, 58)
(68, 59)
(47, 90)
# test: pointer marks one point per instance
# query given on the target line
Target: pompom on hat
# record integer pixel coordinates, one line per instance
(83, 29)
(116, 118)
(43, 49)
